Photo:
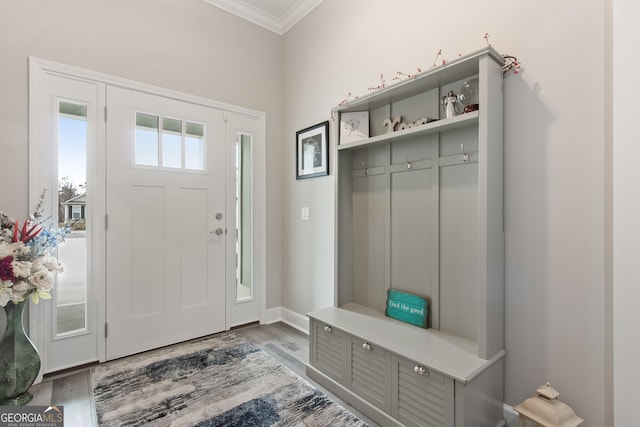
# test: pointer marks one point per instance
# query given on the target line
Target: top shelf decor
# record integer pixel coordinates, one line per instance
(451, 71)
(431, 101)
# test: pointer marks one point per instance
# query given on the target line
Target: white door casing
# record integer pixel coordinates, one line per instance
(41, 175)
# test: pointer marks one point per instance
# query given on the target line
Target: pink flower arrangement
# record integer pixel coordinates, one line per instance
(27, 266)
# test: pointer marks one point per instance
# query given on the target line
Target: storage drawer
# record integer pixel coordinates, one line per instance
(370, 373)
(421, 397)
(330, 351)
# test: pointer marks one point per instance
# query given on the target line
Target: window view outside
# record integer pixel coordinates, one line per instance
(244, 284)
(171, 143)
(71, 286)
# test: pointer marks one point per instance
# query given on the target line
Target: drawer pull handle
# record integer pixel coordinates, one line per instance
(327, 328)
(420, 370)
(366, 346)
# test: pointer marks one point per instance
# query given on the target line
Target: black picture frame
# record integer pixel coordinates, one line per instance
(312, 151)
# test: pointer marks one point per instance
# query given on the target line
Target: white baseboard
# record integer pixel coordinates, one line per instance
(271, 315)
(290, 317)
(510, 415)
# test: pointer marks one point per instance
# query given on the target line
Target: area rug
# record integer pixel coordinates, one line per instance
(224, 380)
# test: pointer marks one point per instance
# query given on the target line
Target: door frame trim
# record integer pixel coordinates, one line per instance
(38, 68)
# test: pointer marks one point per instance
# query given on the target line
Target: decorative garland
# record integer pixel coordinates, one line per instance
(511, 65)
(510, 62)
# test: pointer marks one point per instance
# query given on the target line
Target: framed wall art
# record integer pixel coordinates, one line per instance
(354, 126)
(312, 151)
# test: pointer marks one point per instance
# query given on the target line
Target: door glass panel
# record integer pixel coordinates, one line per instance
(182, 143)
(194, 147)
(146, 143)
(171, 143)
(71, 286)
(244, 282)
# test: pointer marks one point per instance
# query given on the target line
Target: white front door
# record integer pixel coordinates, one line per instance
(166, 221)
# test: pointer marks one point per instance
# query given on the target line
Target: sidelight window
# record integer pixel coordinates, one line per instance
(71, 287)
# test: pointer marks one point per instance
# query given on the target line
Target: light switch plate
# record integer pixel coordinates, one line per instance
(304, 213)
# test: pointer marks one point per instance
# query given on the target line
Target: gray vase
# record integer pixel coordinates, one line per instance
(19, 359)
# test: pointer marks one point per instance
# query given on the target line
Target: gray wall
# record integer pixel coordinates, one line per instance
(184, 45)
(554, 165)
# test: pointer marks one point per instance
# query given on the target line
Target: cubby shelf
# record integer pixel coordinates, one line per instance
(468, 119)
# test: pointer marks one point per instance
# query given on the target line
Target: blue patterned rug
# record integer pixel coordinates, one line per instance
(224, 380)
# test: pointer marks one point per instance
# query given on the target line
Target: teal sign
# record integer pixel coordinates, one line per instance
(407, 308)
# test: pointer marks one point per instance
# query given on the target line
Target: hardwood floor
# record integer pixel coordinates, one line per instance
(73, 389)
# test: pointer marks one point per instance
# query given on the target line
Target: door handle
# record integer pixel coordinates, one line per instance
(218, 231)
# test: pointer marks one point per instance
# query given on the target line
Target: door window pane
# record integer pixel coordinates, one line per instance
(146, 143)
(171, 143)
(244, 288)
(194, 147)
(71, 286)
(178, 145)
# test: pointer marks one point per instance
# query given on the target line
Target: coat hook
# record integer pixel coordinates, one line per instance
(465, 156)
(366, 169)
(409, 165)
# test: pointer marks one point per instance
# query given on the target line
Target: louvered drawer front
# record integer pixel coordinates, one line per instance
(424, 397)
(370, 373)
(331, 351)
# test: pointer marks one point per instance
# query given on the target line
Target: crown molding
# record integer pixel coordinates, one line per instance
(298, 11)
(259, 17)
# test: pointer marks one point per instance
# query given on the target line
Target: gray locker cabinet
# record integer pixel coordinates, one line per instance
(419, 209)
